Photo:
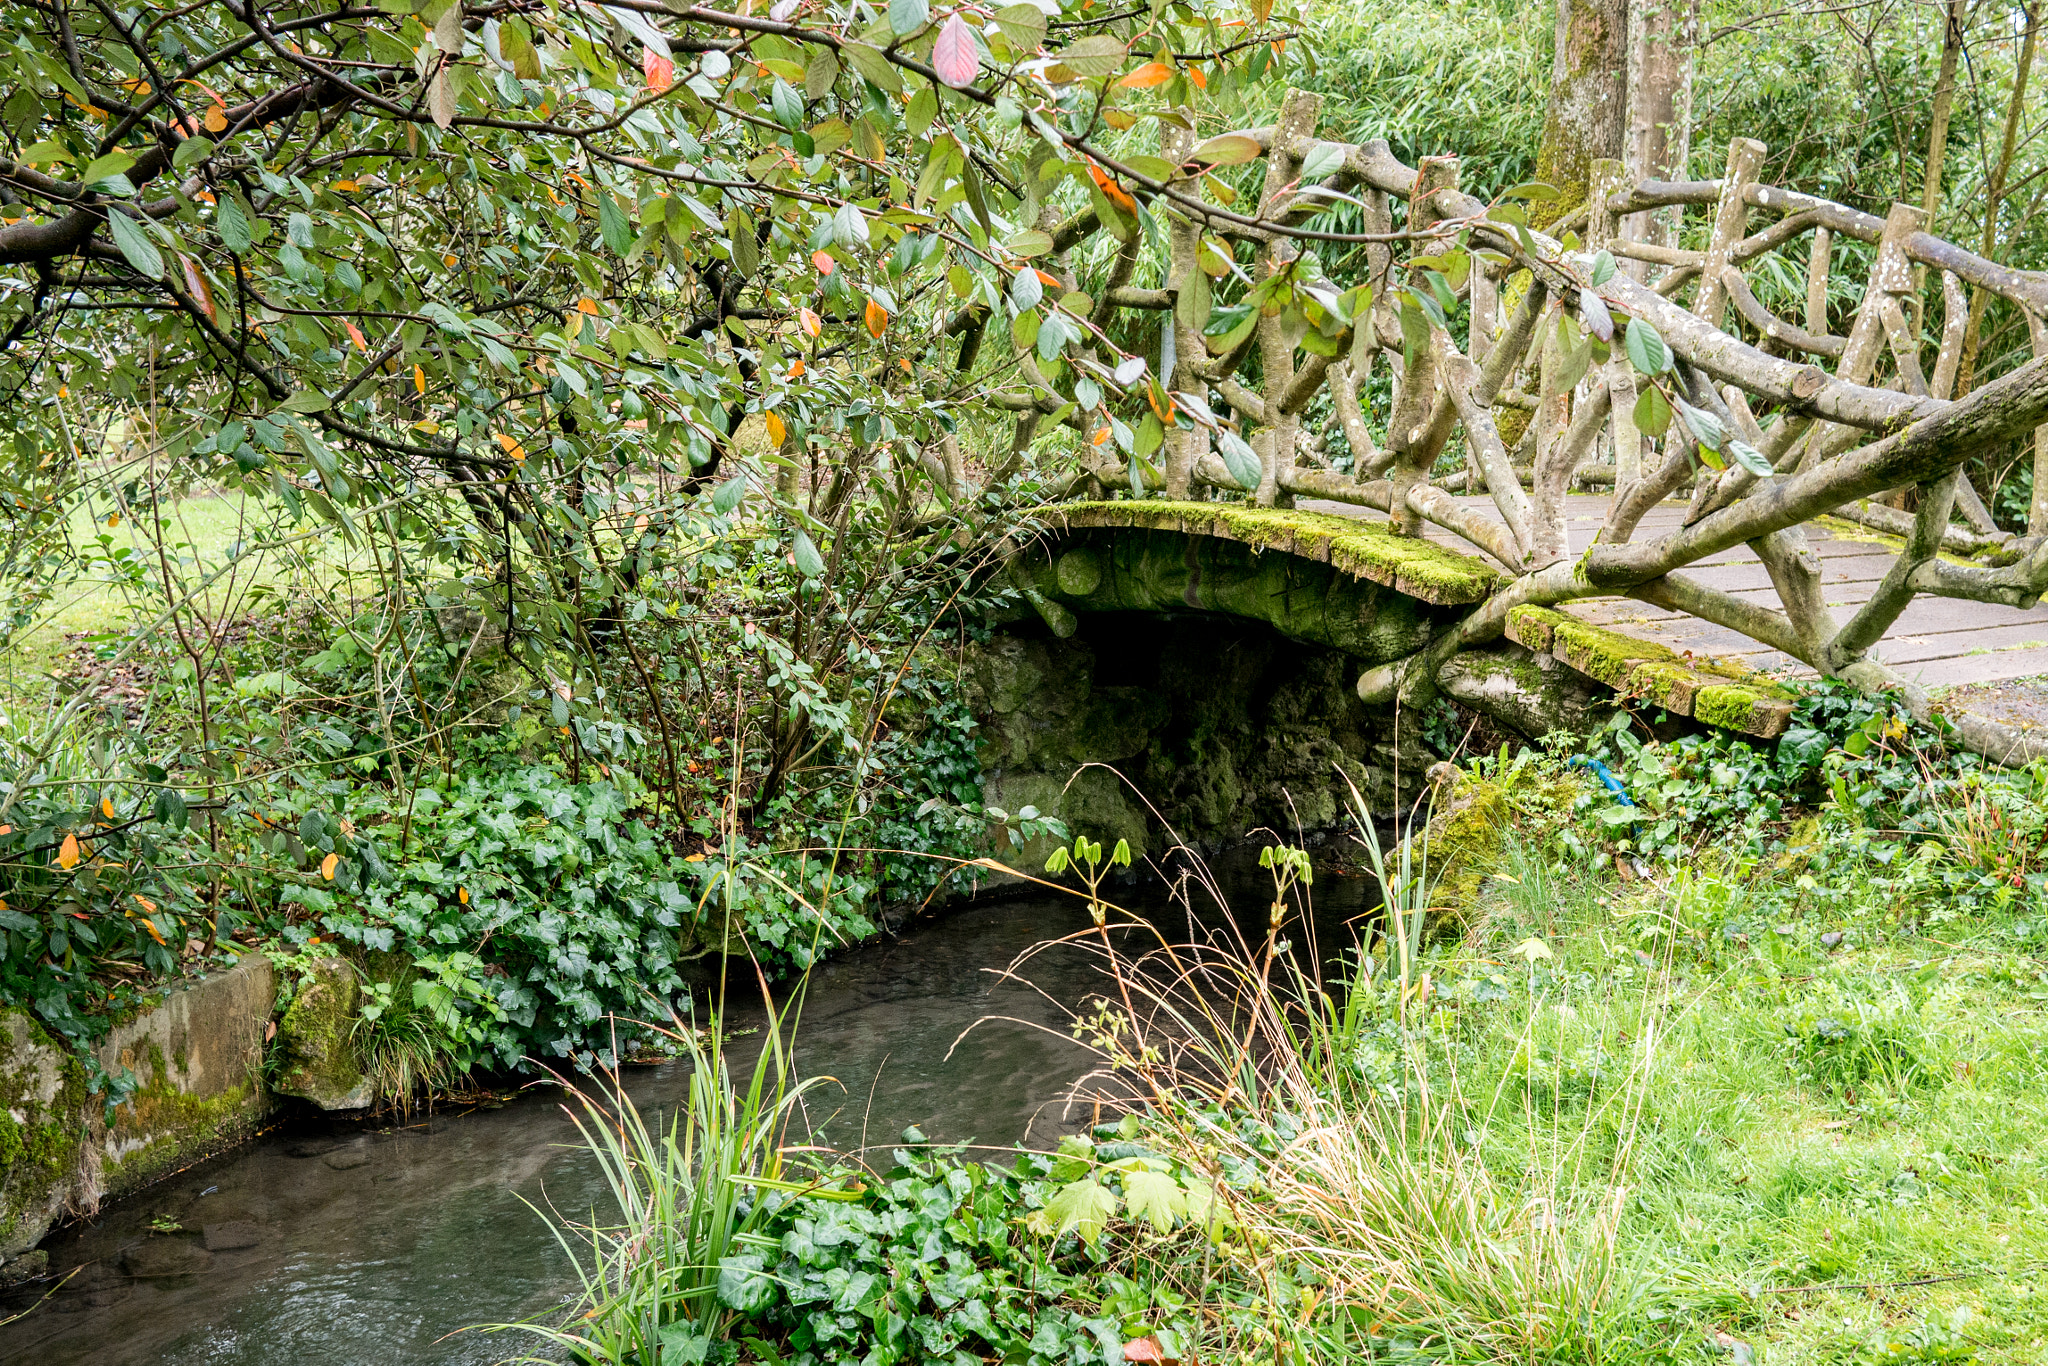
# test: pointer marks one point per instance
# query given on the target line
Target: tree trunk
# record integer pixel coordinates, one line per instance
(1662, 36)
(1937, 139)
(1587, 114)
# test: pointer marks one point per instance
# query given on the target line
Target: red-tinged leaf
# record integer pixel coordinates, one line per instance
(1145, 1349)
(659, 70)
(196, 286)
(810, 321)
(1147, 76)
(355, 334)
(1195, 75)
(877, 319)
(824, 262)
(953, 56)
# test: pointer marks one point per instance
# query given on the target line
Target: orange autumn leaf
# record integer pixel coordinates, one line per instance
(824, 262)
(449, 260)
(587, 305)
(67, 853)
(196, 286)
(355, 334)
(462, 895)
(1195, 75)
(328, 865)
(511, 446)
(107, 807)
(145, 903)
(419, 380)
(346, 186)
(1049, 281)
(1100, 436)
(154, 933)
(811, 324)
(777, 430)
(1107, 184)
(1147, 76)
(659, 70)
(216, 118)
(876, 317)
(796, 368)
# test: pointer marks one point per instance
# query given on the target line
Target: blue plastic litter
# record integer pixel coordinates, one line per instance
(1604, 774)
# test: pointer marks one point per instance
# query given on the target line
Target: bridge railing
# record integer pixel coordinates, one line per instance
(1594, 352)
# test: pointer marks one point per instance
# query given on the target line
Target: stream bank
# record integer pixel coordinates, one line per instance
(353, 1243)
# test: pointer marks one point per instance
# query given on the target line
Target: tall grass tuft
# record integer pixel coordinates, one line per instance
(664, 1279)
(1425, 1218)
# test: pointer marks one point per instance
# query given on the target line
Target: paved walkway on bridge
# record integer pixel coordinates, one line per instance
(1938, 642)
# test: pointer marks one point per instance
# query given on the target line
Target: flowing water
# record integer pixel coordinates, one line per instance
(358, 1244)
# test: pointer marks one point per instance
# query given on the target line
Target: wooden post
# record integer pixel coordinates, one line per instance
(1296, 124)
(1731, 215)
(1184, 241)
(1817, 281)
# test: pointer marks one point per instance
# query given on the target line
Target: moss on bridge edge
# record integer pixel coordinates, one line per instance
(1367, 550)
(1709, 692)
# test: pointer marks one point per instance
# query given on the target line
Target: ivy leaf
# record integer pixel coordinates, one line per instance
(136, 246)
(743, 1285)
(1647, 350)
(1083, 1207)
(1154, 1197)
(954, 56)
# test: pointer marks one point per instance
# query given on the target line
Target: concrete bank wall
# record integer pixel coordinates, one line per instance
(197, 1059)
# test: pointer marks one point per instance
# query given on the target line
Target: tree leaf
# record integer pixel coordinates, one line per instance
(441, 98)
(1240, 459)
(809, 563)
(728, 495)
(135, 245)
(1646, 349)
(954, 56)
(613, 225)
(1603, 267)
(1652, 413)
(1593, 312)
(788, 106)
(1750, 458)
(908, 16)
(231, 224)
(1322, 159)
(1147, 76)
(1096, 55)
(1023, 25)
(873, 67)
(67, 853)
(1232, 149)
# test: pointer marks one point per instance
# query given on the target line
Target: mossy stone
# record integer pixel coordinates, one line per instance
(319, 1061)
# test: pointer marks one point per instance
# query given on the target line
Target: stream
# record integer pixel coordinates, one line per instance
(353, 1243)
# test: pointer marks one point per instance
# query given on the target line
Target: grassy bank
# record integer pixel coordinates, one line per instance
(1703, 1078)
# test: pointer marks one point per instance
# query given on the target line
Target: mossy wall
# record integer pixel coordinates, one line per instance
(196, 1060)
(1222, 725)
